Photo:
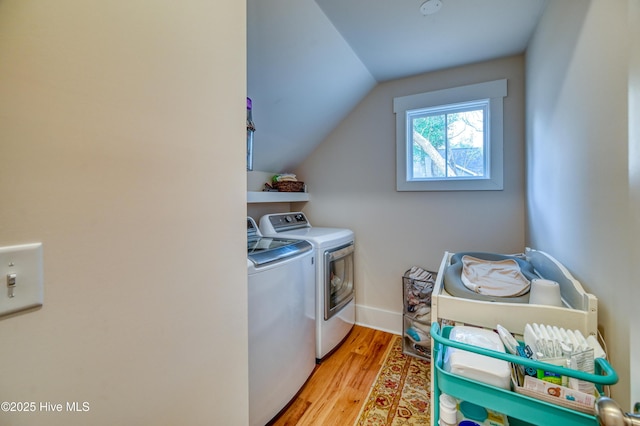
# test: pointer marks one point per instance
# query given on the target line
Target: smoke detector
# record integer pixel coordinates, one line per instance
(430, 7)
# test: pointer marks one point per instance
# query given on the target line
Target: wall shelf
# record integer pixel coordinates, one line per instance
(276, 197)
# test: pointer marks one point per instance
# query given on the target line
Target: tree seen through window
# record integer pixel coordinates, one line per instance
(449, 144)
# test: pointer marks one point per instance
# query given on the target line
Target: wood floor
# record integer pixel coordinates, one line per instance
(337, 388)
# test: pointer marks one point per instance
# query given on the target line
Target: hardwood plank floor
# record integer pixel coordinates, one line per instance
(338, 387)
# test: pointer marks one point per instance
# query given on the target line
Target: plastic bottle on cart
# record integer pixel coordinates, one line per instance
(448, 410)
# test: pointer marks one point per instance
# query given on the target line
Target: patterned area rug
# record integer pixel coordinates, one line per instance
(401, 392)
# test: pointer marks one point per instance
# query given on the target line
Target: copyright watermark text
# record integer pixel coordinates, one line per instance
(44, 407)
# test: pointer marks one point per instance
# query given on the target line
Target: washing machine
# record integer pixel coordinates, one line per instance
(281, 321)
(334, 281)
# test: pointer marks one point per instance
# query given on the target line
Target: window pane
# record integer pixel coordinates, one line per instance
(429, 142)
(448, 145)
(465, 136)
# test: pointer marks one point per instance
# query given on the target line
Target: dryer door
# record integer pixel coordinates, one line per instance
(338, 279)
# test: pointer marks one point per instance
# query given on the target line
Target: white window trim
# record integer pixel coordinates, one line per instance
(495, 91)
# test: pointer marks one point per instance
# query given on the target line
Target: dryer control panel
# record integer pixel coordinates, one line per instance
(288, 221)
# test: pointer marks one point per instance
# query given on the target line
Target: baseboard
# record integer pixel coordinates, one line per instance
(379, 319)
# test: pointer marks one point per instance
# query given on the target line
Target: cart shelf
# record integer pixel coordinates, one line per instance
(521, 408)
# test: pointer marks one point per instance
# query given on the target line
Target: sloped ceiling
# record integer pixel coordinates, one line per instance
(310, 62)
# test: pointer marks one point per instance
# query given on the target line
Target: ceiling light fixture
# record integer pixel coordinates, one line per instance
(430, 7)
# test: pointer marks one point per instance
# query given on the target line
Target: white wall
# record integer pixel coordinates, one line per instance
(351, 179)
(577, 157)
(117, 127)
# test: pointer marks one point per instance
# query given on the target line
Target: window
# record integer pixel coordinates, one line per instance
(450, 139)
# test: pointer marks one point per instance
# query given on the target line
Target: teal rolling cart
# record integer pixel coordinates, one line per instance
(521, 409)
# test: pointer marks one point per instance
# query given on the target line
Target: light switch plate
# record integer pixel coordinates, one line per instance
(25, 262)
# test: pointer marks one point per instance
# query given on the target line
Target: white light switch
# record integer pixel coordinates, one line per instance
(21, 278)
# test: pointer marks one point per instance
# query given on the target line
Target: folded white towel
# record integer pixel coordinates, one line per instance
(501, 278)
(287, 177)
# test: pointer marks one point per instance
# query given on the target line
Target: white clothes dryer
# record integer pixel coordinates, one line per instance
(334, 281)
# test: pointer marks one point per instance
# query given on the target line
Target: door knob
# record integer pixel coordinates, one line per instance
(609, 413)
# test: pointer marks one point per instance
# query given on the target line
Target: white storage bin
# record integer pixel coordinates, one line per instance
(474, 366)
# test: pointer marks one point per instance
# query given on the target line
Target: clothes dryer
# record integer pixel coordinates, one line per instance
(334, 280)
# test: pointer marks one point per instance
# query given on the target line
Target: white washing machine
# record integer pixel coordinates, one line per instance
(334, 284)
(281, 305)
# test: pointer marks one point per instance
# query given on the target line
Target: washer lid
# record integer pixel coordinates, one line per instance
(265, 250)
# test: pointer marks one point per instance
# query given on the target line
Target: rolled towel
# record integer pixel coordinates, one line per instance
(422, 327)
(423, 310)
